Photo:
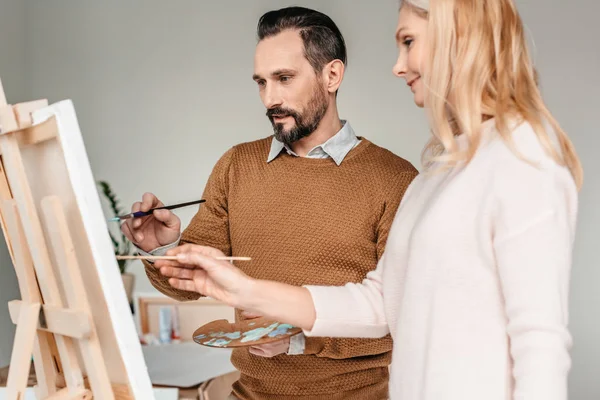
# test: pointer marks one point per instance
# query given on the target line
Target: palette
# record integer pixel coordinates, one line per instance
(246, 333)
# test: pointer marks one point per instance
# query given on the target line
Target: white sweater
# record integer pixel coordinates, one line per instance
(473, 285)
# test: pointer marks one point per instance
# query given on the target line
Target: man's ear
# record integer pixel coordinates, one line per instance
(333, 74)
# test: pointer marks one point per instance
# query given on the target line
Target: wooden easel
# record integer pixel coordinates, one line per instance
(53, 326)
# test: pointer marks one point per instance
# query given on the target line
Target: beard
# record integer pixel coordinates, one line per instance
(306, 122)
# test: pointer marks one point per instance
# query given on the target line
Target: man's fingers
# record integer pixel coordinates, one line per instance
(126, 229)
(136, 206)
(135, 222)
(149, 201)
(265, 347)
(129, 229)
(167, 218)
(265, 350)
(257, 351)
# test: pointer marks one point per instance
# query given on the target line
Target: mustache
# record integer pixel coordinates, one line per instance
(281, 112)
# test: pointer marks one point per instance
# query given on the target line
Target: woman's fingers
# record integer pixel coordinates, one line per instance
(183, 284)
(188, 248)
(201, 260)
(177, 272)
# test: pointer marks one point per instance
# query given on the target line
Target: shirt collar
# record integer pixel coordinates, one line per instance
(337, 147)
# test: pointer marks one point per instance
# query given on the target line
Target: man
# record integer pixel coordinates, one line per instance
(311, 204)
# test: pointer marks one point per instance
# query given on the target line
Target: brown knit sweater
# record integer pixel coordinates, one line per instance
(303, 221)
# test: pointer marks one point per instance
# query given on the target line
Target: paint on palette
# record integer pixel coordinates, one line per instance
(281, 330)
(256, 334)
(221, 339)
(217, 342)
(232, 335)
(252, 323)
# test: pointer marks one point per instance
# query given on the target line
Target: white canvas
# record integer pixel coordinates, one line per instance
(61, 167)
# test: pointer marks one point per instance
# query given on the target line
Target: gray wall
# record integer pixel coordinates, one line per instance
(13, 74)
(165, 88)
(567, 53)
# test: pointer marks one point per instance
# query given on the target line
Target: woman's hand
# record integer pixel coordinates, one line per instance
(198, 270)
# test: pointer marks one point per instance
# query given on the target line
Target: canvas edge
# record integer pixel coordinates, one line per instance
(86, 196)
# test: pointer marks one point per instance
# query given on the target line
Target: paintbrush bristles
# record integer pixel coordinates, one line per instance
(175, 258)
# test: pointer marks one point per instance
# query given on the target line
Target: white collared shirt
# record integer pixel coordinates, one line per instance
(337, 147)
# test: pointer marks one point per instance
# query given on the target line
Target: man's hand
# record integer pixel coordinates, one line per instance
(268, 349)
(271, 349)
(156, 230)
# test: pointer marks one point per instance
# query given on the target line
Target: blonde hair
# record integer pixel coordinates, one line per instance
(482, 70)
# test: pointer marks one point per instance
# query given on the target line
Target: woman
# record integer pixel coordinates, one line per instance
(473, 285)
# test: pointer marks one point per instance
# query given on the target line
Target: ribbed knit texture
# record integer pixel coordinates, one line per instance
(303, 221)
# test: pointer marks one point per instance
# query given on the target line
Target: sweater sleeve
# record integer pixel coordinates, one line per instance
(395, 193)
(534, 228)
(356, 310)
(209, 226)
(352, 311)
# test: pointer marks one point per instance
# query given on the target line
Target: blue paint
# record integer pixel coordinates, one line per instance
(217, 342)
(258, 333)
(200, 337)
(232, 335)
(281, 330)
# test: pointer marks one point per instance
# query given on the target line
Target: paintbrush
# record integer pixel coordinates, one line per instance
(138, 214)
(175, 258)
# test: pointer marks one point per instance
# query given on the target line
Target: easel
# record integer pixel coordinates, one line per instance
(53, 326)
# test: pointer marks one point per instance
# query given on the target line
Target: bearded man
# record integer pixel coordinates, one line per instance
(311, 204)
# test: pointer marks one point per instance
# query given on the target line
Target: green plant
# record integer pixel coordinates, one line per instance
(121, 245)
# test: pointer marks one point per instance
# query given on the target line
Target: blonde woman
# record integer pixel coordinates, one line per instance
(473, 285)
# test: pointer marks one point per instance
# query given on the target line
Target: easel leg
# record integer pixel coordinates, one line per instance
(42, 350)
(62, 244)
(5, 195)
(44, 364)
(21, 357)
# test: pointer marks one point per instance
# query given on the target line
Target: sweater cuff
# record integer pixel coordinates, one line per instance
(297, 345)
(327, 321)
(314, 346)
(159, 251)
(345, 312)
